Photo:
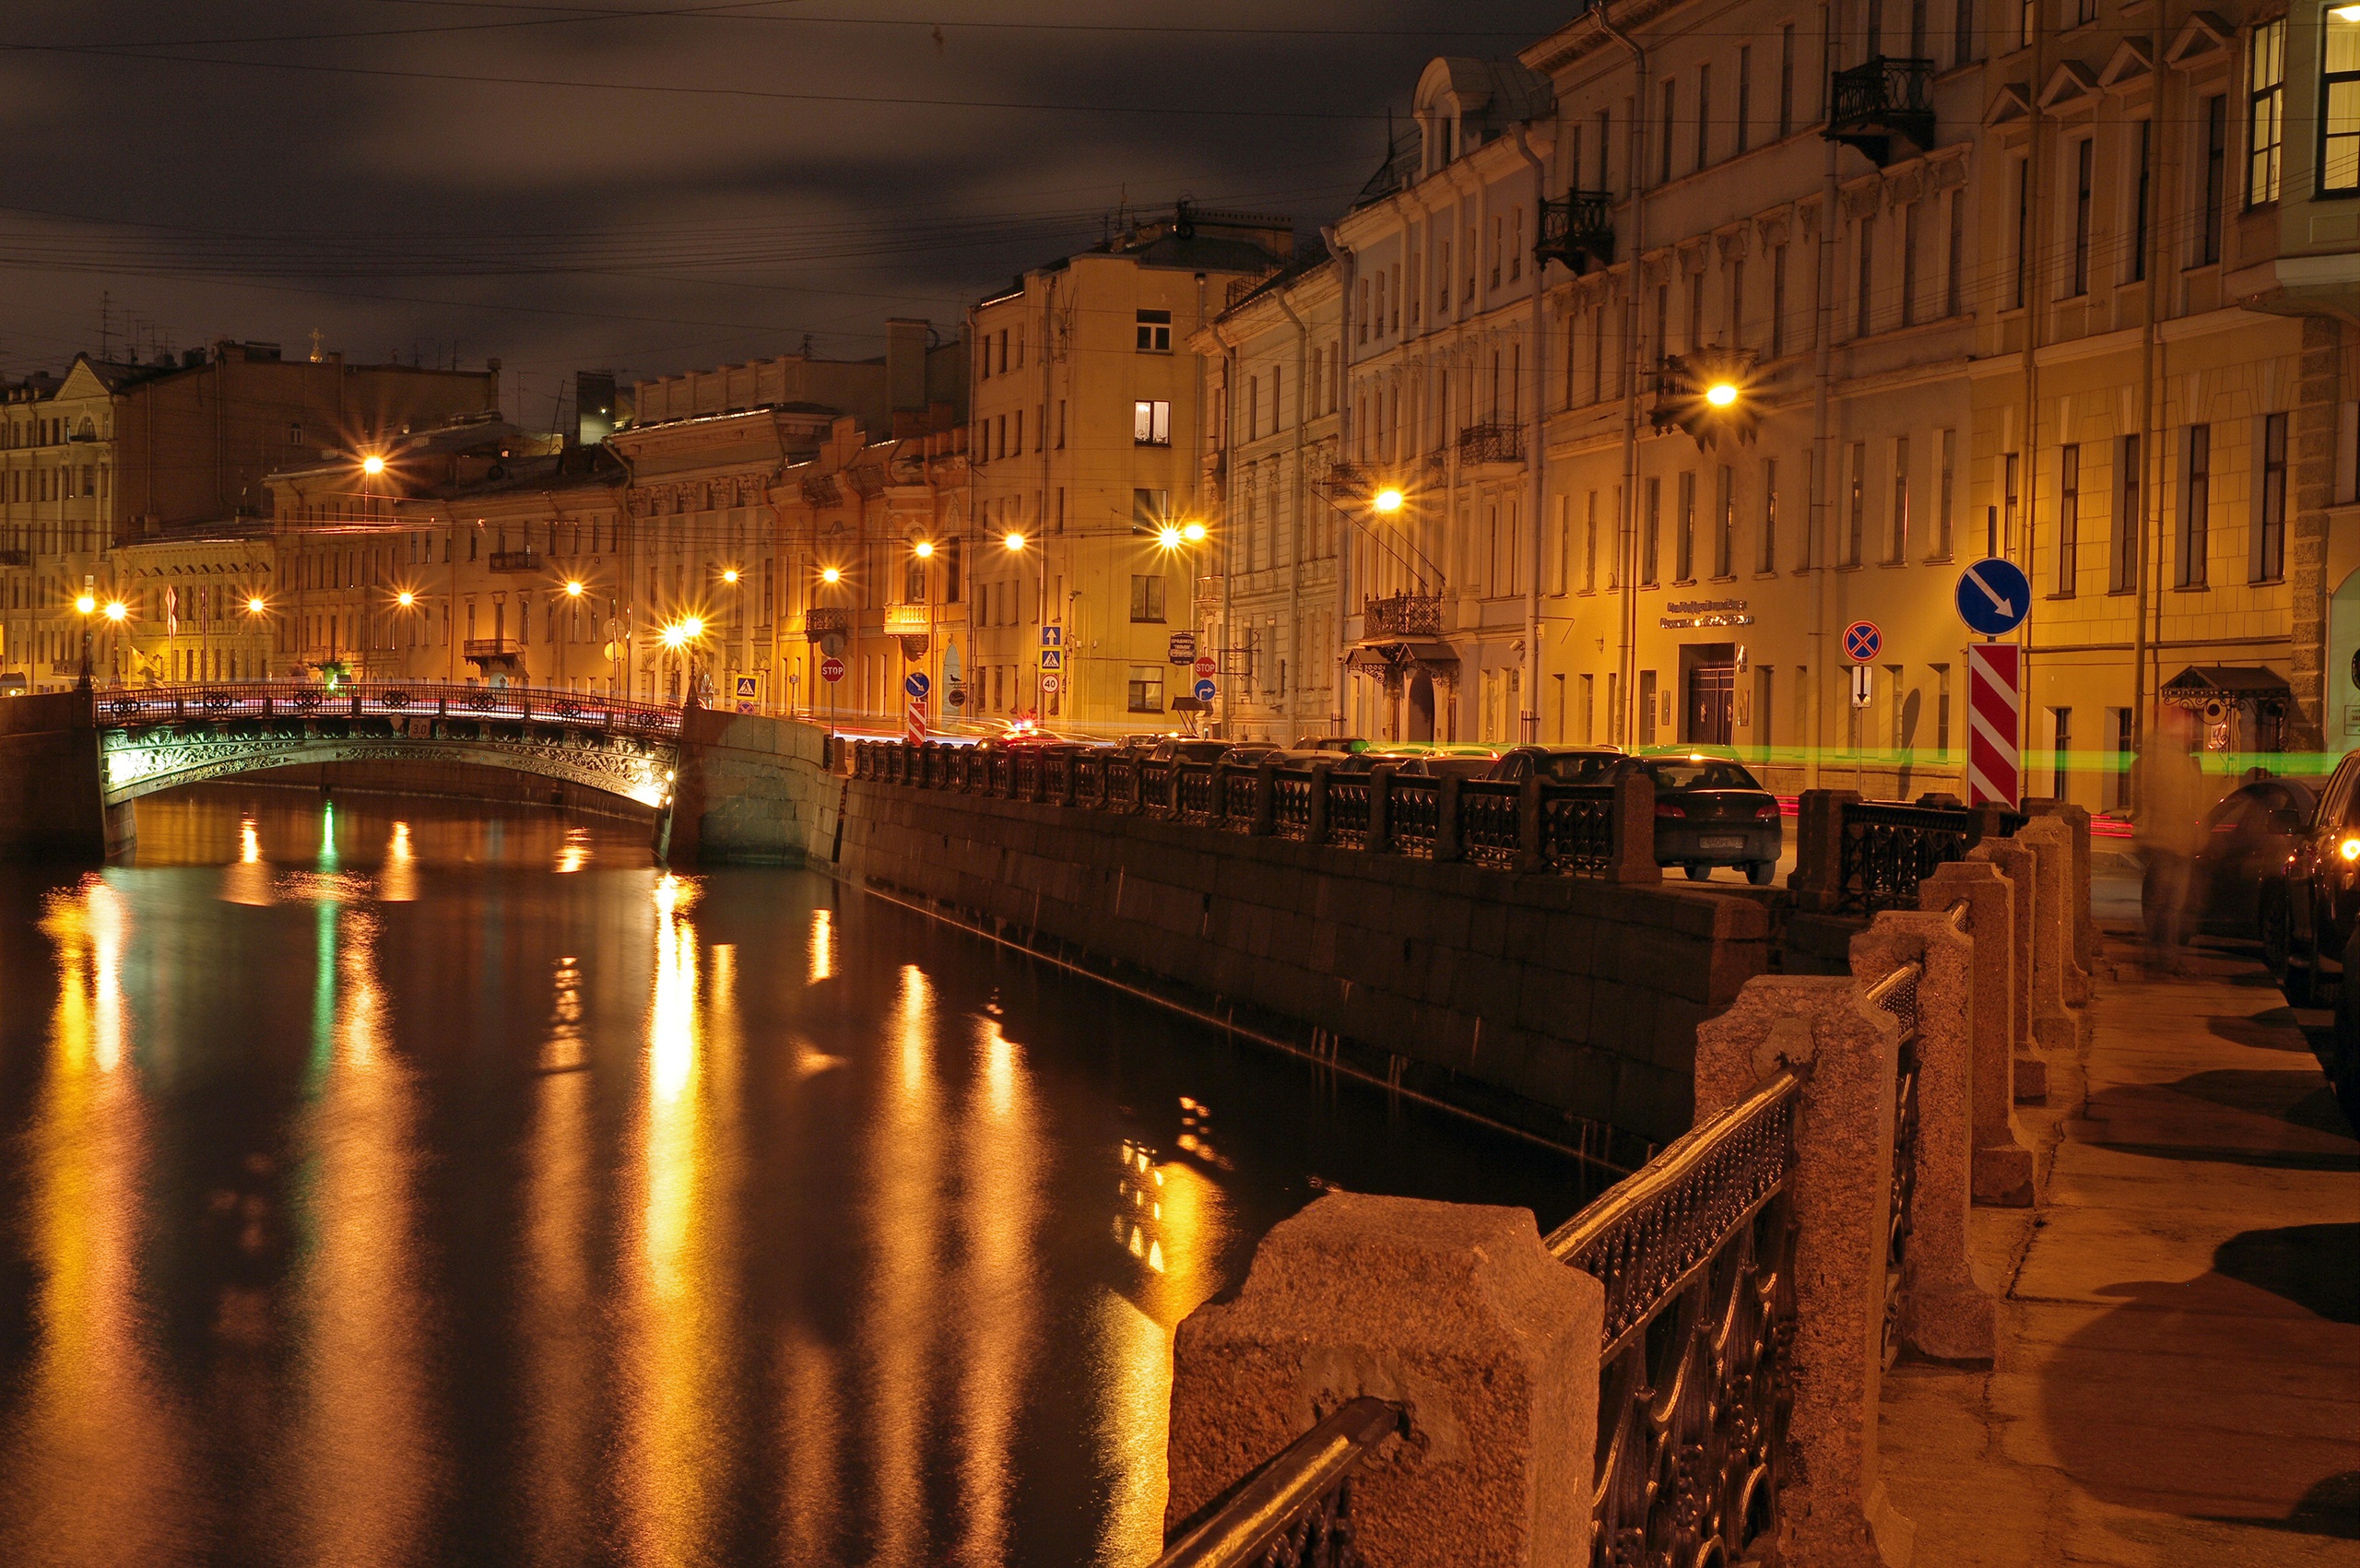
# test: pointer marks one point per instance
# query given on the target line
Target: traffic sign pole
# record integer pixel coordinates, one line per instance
(1994, 721)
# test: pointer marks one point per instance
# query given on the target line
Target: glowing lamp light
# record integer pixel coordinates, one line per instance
(923, 549)
(1720, 394)
(85, 604)
(405, 598)
(255, 605)
(372, 465)
(2349, 849)
(683, 632)
(1387, 501)
(117, 609)
(831, 575)
(730, 575)
(1014, 541)
(1193, 532)
(2346, 13)
(1168, 537)
(573, 590)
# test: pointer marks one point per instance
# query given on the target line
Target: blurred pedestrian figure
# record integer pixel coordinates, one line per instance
(2169, 801)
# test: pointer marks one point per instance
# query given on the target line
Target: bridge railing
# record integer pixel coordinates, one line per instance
(122, 707)
(1855, 857)
(1603, 831)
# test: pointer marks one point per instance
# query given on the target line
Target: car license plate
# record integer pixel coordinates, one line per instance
(1722, 841)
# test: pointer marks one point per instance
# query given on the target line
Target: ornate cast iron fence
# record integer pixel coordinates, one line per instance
(1897, 994)
(124, 707)
(1577, 829)
(1488, 815)
(1887, 849)
(1348, 810)
(1290, 803)
(1412, 812)
(1696, 1252)
(1403, 614)
(1296, 1511)
(1196, 792)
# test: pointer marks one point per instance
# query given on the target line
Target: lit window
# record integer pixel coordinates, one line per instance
(2340, 101)
(2265, 97)
(1151, 422)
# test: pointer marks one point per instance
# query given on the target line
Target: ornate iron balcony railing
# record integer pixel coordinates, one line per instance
(1493, 441)
(1403, 614)
(1878, 100)
(494, 648)
(818, 624)
(515, 560)
(1578, 229)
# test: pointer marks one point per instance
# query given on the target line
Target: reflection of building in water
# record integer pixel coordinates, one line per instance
(1138, 1217)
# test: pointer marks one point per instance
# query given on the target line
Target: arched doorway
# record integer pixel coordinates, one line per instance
(1421, 708)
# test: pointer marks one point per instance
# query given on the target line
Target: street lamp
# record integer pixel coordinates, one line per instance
(1387, 500)
(372, 465)
(681, 637)
(84, 606)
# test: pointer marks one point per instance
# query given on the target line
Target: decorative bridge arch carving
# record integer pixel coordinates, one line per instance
(155, 738)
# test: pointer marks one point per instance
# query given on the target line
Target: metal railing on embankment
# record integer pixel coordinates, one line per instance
(1576, 829)
(129, 706)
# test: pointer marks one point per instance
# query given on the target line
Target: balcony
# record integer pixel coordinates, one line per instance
(1880, 99)
(16, 558)
(1578, 230)
(830, 622)
(1403, 614)
(1493, 440)
(515, 560)
(486, 649)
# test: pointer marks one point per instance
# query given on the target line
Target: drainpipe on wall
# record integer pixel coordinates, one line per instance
(2151, 489)
(1296, 498)
(2035, 288)
(1634, 152)
(1528, 719)
(1822, 538)
(1345, 271)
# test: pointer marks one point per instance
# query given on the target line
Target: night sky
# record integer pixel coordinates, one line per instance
(723, 180)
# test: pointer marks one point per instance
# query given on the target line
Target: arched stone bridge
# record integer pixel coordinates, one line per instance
(155, 738)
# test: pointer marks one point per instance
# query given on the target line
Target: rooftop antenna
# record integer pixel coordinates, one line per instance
(106, 320)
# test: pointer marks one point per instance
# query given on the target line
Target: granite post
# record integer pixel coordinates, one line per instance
(1945, 1314)
(2057, 1022)
(1454, 1311)
(1820, 1025)
(2029, 1072)
(2004, 1174)
(1633, 837)
(2085, 927)
(1817, 880)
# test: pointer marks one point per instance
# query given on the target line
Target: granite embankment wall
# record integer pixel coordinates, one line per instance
(1549, 1000)
(453, 781)
(50, 804)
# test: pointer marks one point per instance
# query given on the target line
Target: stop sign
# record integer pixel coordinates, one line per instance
(831, 668)
(1204, 667)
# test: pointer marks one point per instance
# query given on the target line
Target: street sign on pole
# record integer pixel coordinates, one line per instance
(832, 669)
(916, 684)
(1049, 685)
(1861, 690)
(1994, 707)
(1052, 636)
(1053, 658)
(1862, 642)
(1204, 689)
(1993, 597)
(1204, 667)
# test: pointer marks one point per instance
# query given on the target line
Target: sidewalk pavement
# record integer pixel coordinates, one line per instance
(2178, 1379)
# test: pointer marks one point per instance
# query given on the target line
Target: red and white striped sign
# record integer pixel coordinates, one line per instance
(1994, 709)
(915, 731)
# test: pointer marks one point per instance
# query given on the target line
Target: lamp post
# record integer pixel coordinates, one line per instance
(116, 612)
(85, 606)
(682, 637)
(1179, 539)
(923, 551)
(256, 608)
(574, 588)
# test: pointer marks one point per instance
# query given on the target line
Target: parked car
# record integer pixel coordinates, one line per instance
(1436, 761)
(2249, 838)
(2306, 918)
(1557, 764)
(1341, 744)
(1710, 811)
(1185, 749)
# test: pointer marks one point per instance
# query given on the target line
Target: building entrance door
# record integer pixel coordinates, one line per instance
(1709, 679)
(1421, 708)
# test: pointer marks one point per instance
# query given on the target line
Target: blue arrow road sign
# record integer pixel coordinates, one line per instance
(1052, 636)
(1204, 691)
(1993, 597)
(916, 683)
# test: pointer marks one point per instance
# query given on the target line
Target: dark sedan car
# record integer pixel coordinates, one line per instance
(1710, 811)
(2306, 918)
(2249, 839)
(1557, 764)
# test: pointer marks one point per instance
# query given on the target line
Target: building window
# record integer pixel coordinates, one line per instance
(2145, 154)
(1145, 688)
(2023, 235)
(1945, 496)
(2270, 510)
(1942, 712)
(1864, 292)
(1151, 422)
(2060, 721)
(2265, 109)
(1856, 506)
(2068, 517)
(2119, 771)
(1154, 332)
(2216, 163)
(1787, 79)
(2130, 515)
(1899, 552)
(1670, 113)
(1590, 544)
(1704, 115)
(1724, 524)
(1653, 538)
(2003, 539)
(1684, 545)
(2083, 156)
(2195, 507)
(2028, 22)
(1150, 509)
(1769, 558)
(1778, 302)
(1146, 599)
(2340, 100)
(1744, 96)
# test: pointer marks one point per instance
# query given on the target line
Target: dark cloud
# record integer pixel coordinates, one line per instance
(390, 188)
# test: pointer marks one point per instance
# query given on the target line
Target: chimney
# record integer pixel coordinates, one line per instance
(905, 364)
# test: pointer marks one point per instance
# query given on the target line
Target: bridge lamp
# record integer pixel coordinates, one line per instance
(1387, 501)
(86, 605)
(372, 465)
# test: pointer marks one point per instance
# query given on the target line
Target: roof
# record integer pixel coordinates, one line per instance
(2235, 682)
(1307, 260)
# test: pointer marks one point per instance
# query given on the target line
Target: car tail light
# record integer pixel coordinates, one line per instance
(2349, 849)
(1666, 809)
(1767, 813)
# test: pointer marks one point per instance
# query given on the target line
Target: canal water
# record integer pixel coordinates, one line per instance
(394, 1180)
